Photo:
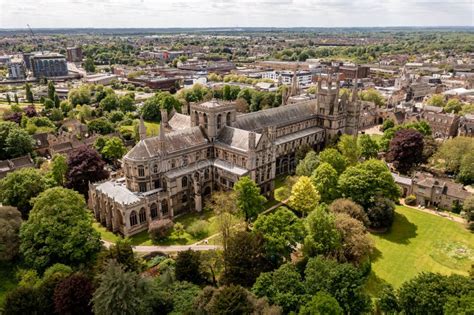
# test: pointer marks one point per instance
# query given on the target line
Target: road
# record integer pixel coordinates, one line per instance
(167, 249)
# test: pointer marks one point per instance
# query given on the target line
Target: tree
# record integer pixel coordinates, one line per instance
(79, 96)
(58, 230)
(282, 231)
(189, 267)
(349, 148)
(244, 259)
(283, 287)
(342, 281)
(14, 141)
(387, 124)
(468, 208)
(51, 90)
(224, 204)
(16, 99)
(406, 149)
(29, 94)
(122, 253)
(427, 293)
(335, 158)
(322, 237)
(363, 182)
(84, 165)
(355, 242)
(369, 148)
(113, 149)
(306, 166)
(89, 65)
(372, 95)
(100, 125)
(388, 300)
(324, 179)
(349, 207)
(109, 103)
(452, 151)
(231, 300)
(436, 100)
(73, 295)
(9, 100)
(381, 213)
(248, 199)
(466, 170)
(322, 303)
(19, 187)
(126, 104)
(183, 294)
(59, 169)
(121, 292)
(454, 105)
(21, 300)
(10, 222)
(151, 110)
(304, 196)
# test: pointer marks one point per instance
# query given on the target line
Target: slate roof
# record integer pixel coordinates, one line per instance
(118, 192)
(278, 116)
(174, 141)
(297, 135)
(236, 138)
(180, 121)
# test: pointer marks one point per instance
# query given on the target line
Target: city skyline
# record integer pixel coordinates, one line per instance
(234, 13)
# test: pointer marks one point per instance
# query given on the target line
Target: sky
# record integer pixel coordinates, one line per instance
(234, 13)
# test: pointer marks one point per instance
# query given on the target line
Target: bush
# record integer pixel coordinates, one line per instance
(410, 200)
(198, 229)
(160, 229)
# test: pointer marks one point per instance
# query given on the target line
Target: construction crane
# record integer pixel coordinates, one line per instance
(35, 39)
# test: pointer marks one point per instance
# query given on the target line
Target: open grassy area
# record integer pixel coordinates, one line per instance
(152, 128)
(7, 279)
(418, 242)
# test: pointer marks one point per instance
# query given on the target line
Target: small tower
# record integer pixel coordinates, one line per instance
(142, 129)
(162, 139)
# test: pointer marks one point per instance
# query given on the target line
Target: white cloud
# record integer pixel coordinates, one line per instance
(214, 13)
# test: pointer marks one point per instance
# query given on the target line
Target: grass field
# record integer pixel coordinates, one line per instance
(152, 128)
(418, 242)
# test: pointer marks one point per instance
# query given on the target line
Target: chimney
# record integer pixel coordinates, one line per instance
(164, 117)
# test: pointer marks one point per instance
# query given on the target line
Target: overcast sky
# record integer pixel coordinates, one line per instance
(233, 13)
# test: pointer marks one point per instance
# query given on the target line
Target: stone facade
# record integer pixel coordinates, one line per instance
(209, 150)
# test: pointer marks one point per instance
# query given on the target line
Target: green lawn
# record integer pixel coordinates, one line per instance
(175, 238)
(152, 128)
(7, 280)
(417, 242)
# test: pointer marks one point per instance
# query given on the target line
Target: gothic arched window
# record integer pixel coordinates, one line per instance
(133, 218)
(154, 211)
(142, 215)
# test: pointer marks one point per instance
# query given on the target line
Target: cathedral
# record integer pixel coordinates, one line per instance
(210, 149)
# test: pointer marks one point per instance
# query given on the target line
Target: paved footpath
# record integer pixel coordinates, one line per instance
(442, 214)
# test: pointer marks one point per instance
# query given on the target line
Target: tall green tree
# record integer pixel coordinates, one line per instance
(51, 90)
(121, 292)
(322, 237)
(335, 158)
(349, 148)
(365, 181)
(14, 141)
(19, 187)
(324, 179)
(322, 303)
(29, 93)
(89, 65)
(189, 267)
(59, 169)
(9, 100)
(59, 230)
(10, 222)
(248, 198)
(282, 231)
(369, 148)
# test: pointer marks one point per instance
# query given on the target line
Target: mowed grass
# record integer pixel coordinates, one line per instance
(152, 128)
(418, 242)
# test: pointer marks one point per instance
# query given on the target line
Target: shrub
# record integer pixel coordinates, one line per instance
(410, 200)
(198, 229)
(160, 229)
